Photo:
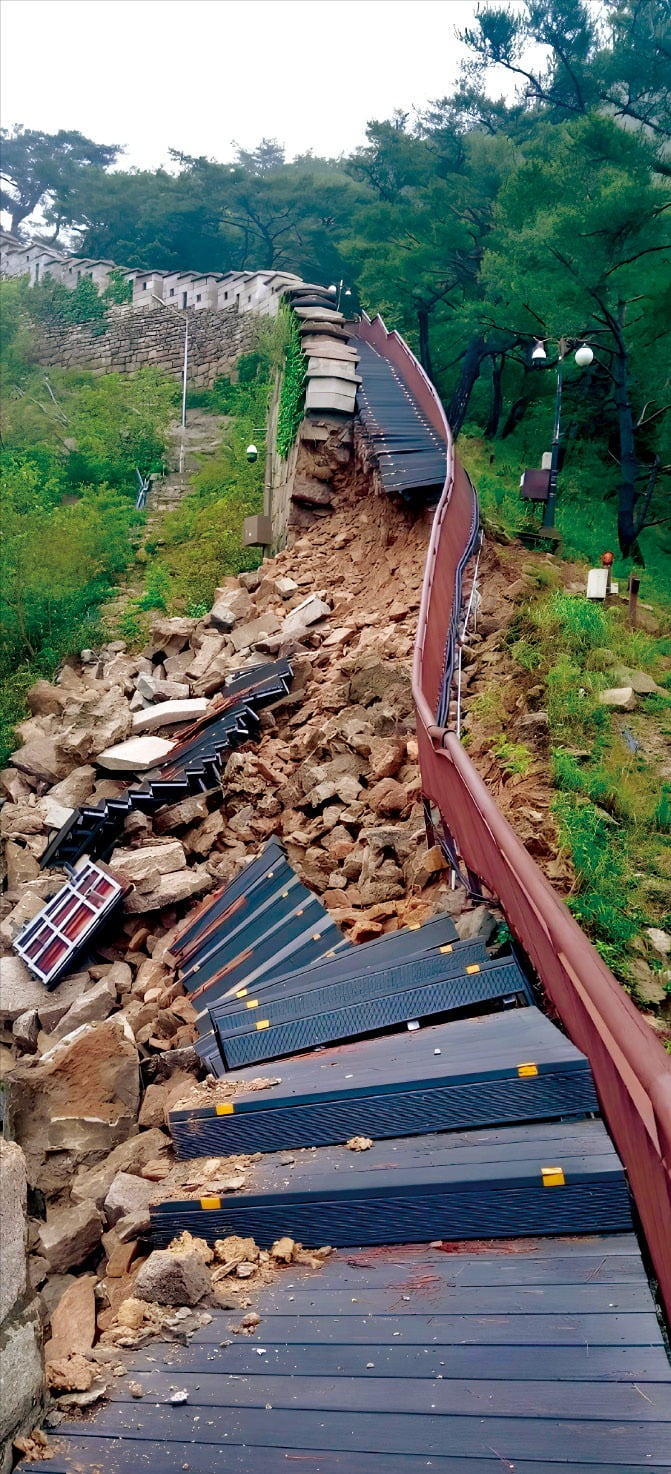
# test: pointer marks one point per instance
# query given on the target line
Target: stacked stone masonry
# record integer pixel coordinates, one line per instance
(134, 340)
(21, 1374)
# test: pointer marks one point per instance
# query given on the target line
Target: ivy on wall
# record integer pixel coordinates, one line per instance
(292, 395)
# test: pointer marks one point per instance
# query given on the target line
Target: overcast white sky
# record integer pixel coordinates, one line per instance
(198, 74)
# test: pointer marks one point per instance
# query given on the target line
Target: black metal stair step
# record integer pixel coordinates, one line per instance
(494, 983)
(504, 1183)
(437, 935)
(293, 1001)
(514, 1066)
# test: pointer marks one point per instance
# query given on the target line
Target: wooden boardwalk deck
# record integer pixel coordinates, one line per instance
(528, 1356)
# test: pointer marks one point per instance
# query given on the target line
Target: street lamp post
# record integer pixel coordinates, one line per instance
(337, 289)
(583, 357)
(170, 308)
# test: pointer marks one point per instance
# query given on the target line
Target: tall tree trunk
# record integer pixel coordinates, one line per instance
(470, 371)
(424, 344)
(629, 467)
(496, 396)
(515, 415)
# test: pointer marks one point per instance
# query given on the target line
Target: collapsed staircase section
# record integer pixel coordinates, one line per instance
(275, 975)
(51, 942)
(480, 1125)
(195, 766)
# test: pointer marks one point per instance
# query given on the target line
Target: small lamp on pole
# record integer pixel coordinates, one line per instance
(584, 356)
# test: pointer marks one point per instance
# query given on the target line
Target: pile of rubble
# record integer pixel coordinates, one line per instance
(91, 1069)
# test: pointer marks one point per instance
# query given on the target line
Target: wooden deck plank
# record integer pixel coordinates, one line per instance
(565, 1401)
(93, 1455)
(595, 1364)
(425, 1328)
(390, 1432)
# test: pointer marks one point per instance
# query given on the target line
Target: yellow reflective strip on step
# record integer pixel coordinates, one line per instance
(527, 1070)
(241, 993)
(553, 1176)
(473, 967)
(252, 1003)
(263, 1023)
(210, 1202)
(225, 1108)
(447, 948)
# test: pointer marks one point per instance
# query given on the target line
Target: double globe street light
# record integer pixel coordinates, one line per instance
(547, 487)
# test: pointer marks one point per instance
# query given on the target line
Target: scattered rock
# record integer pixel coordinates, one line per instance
(622, 697)
(128, 1194)
(359, 1143)
(81, 1097)
(138, 755)
(660, 940)
(70, 1235)
(173, 1278)
(169, 713)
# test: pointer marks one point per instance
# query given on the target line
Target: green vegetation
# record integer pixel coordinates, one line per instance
(70, 445)
(292, 395)
(612, 818)
(473, 226)
(200, 542)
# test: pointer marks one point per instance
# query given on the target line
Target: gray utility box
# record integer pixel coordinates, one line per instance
(257, 532)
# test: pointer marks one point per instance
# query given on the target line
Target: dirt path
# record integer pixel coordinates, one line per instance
(202, 438)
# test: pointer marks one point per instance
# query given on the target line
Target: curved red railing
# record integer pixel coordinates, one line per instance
(631, 1070)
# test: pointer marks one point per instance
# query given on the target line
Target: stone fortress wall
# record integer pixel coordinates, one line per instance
(220, 307)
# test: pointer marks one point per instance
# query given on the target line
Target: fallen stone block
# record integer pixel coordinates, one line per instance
(25, 1031)
(172, 635)
(128, 1194)
(80, 1098)
(55, 1005)
(476, 923)
(152, 689)
(212, 647)
(222, 616)
(22, 1376)
(173, 1278)
(19, 991)
(75, 788)
(12, 1225)
(52, 813)
(42, 758)
(246, 635)
(95, 1004)
(43, 699)
(286, 587)
(620, 697)
(138, 755)
(168, 713)
(144, 866)
(25, 909)
(177, 815)
(73, 1321)
(171, 889)
(93, 1183)
(308, 612)
(70, 1235)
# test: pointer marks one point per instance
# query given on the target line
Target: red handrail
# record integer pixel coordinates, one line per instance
(632, 1073)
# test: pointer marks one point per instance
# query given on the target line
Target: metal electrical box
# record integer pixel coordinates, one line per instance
(257, 532)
